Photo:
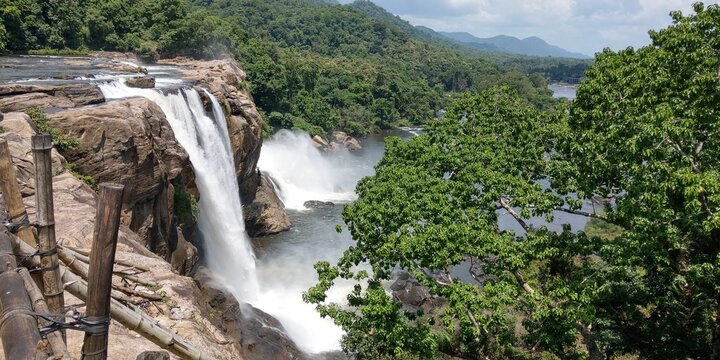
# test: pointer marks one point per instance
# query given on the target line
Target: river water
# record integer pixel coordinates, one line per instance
(284, 264)
(563, 90)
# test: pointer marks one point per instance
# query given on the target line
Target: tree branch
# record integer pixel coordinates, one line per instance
(505, 205)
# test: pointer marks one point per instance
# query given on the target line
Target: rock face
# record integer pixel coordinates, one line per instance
(265, 215)
(131, 142)
(258, 335)
(144, 82)
(19, 97)
(75, 204)
(223, 79)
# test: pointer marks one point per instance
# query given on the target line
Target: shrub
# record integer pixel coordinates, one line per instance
(61, 141)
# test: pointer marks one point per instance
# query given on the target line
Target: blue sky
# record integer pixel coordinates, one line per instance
(585, 26)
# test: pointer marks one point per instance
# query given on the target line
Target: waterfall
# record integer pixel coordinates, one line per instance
(300, 172)
(205, 138)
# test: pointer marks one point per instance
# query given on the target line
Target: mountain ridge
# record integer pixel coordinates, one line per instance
(532, 45)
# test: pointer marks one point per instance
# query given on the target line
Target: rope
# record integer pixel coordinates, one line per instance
(17, 226)
(92, 325)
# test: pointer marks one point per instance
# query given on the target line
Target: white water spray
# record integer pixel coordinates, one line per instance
(220, 221)
(302, 173)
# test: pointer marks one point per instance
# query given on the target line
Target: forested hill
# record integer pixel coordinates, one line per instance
(311, 64)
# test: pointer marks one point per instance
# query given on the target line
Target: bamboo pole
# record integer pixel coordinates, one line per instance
(84, 256)
(57, 344)
(82, 270)
(11, 193)
(45, 215)
(18, 327)
(131, 317)
(107, 224)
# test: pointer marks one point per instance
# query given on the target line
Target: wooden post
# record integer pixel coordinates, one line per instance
(18, 327)
(107, 224)
(45, 217)
(55, 339)
(11, 193)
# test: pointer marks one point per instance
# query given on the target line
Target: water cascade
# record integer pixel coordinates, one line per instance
(302, 173)
(205, 137)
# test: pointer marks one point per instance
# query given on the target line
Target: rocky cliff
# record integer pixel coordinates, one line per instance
(131, 142)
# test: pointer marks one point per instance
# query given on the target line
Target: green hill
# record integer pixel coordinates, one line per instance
(311, 64)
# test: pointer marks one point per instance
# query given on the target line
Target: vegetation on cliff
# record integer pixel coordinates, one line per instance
(642, 132)
(311, 64)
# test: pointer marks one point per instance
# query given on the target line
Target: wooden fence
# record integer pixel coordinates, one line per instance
(35, 272)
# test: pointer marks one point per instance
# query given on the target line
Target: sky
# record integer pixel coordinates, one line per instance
(585, 26)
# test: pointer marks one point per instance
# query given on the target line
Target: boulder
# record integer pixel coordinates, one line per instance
(266, 214)
(412, 293)
(316, 204)
(319, 142)
(19, 97)
(143, 82)
(339, 136)
(352, 144)
(258, 335)
(131, 142)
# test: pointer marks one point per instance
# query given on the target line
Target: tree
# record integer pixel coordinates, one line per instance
(642, 135)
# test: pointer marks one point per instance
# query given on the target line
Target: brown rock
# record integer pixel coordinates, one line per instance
(144, 82)
(18, 97)
(31, 100)
(339, 136)
(131, 142)
(319, 142)
(259, 335)
(265, 215)
(352, 144)
(19, 131)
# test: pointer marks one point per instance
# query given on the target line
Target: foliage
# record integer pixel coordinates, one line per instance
(642, 132)
(2, 129)
(600, 228)
(323, 66)
(87, 179)
(59, 52)
(186, 206)
(61, 141)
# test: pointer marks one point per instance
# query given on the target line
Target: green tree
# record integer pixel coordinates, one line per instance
(642, 134)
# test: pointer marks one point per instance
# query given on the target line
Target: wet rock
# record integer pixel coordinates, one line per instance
(153, 355)
(411, 292)
(339, 136)
(319, 142)
(143, 82)
(316, 204)
(259, 335)
(352, 144)
(266, 214)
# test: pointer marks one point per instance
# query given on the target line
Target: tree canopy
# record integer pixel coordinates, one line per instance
(641, 138)
(310, 64)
